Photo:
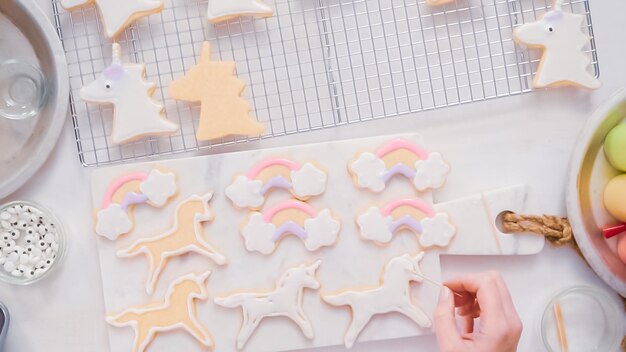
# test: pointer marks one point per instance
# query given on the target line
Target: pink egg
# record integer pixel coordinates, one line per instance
(621, 248)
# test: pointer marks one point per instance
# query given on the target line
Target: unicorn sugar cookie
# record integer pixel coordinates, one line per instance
(564, 62)
(136, 114)
(178, 311)
(284, 300)
(185, 236)
(392, 295)
(374, 170)
(223, 112)
(263, 231)
(223, 10)
(379, 224)
(302, 180)
(115, 215)
(117, 14)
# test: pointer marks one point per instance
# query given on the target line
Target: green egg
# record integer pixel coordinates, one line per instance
(615, 147)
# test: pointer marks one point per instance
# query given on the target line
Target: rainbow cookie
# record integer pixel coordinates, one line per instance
(302, 180)
(115, 216)
(374, 170)
(391, 295)
(285, 300)
(263, 231)
(178, 311)
(379, 224)
(185, 236)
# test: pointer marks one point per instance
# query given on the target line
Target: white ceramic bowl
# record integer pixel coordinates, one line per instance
(26, 143)
(589, 173)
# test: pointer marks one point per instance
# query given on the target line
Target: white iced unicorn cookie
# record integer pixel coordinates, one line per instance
(373, 170)
(117, 14)
(263, 231)
(115, 215)
(284, 300)
(135, 113)
(185, 236)
(177, 312)
(392, 295)
(379, 224)
(302, 180)
(223, 10)
(564, 62)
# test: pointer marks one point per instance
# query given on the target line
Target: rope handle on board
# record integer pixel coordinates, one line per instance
(555, 229)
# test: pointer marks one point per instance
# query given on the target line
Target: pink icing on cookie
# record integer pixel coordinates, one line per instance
(139, 176)
(256, 170)
(415, 203)
(401, 144)
(304, 207)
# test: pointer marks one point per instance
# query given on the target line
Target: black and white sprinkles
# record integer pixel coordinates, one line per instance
(29, 241)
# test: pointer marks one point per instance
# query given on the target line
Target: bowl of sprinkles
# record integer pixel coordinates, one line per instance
(32, 242)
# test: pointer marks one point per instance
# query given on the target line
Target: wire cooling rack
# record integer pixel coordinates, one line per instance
(315, 64)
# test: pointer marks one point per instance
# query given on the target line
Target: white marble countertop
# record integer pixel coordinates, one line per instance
(536, 133)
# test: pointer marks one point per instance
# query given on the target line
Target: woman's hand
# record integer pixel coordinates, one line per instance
(484, 296)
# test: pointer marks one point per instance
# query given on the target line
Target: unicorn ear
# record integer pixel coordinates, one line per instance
(207, 197)
(313, 267)
(206, 52)
(558, 4)
(204, 276)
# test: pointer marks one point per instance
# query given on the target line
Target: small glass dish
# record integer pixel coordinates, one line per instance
(581, 318)
(22, 90)
(61, 239)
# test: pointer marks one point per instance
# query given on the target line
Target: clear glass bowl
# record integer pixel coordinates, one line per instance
(590, 321)
(61, 239)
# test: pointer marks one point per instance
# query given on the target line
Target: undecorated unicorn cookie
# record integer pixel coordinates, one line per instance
(391, 295)
(135, 114)
(223, 10)
(185, 236)
(115, 216)
(302, 180)
(285, 300)
(380, 224)
(263, 231)
(564, 62)
(177, 312)
(117, 14)
(223, 112)
(399, 157)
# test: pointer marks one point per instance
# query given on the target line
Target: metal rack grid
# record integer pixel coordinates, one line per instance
(314, 64)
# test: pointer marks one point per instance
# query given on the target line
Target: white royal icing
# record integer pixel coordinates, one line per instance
(159, 187)
(393, 295)
(564, 60)
(375, 226)
(113, 222)
(285, 300)
(308, 181)
(179, 242)
(430, 173)
(116, 14)
(369, 171)
(136, 113)
(436, 231)
(321, 230)
(220, 10)
(245, 193)
(258, 235)
(142, 319)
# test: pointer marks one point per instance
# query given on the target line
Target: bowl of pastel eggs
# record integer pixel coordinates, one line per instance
(32, 243)
(596, 192)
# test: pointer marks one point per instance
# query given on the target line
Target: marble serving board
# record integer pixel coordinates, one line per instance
(352, 262)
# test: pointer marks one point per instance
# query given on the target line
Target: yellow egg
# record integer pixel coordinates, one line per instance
(615, 197)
